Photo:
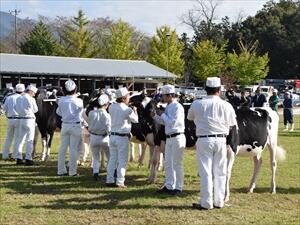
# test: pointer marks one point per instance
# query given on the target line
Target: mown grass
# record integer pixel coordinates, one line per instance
(34, 195)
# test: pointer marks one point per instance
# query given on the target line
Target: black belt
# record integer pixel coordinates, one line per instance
(120, 134)
(172, 135)
(212, 135)
(20, 117)
(103, 135)
(71, 122)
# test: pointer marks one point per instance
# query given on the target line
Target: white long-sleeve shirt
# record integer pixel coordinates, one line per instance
(70, 109)
(121, 118)
(172, 118)
(26, 106)
(212, 115)
(9, 105)
(99, 121)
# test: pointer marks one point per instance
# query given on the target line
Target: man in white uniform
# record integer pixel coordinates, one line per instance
(99, 128)
(70, 109)
(9, 108)
(213, 118)
(26, 108)
(173, 120)
(121, 118)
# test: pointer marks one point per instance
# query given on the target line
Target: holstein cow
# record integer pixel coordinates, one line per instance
(257, 127)
(47, 120)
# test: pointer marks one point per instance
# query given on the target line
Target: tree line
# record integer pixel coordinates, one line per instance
(243, 52)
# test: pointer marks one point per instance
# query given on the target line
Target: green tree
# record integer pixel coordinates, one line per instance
(122, 44)
(277, 28)
(39, 41)
(77, 40)
(209, 60)
(166, 50)
(247, 67)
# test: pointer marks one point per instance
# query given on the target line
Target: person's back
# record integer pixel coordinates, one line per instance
(70, 109)
(26, 106)
(213, 114)
(9, 105)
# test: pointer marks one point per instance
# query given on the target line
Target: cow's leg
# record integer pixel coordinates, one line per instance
(49, 141)
(161, 156)
(273, 163)
(230, 161)
(150, 142)
(86, 147)
(142, 151)
(131, 151)
(102, 162)
(257, 165)
(44, 145)
(154, 164)
(36, 135)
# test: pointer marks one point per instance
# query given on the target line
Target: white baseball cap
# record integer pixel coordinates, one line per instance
(103, 99)
(121, 92)
(275, 90)
(32, 88)
(168, 89)
(20, 87)
(213, 82)
(70, 85)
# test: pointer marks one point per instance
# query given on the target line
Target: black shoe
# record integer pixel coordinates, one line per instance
(176, 192)
(198, 206)
(20, 162)
(164, 190)
(29, 162)
(217, 207)
(75, 175)
(111, 185)
(62, 175)
(96, 176)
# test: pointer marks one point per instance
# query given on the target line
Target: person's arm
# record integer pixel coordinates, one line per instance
(108, 123)
(173, 113)
(191, 114)
(132, 115)
(34, 106)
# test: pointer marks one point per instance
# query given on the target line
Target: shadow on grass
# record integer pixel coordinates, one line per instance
(112, 199)
(279, 190)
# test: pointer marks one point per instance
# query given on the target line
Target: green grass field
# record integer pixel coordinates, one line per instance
(34, 195)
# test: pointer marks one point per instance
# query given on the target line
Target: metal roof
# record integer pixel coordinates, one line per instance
(54, 65)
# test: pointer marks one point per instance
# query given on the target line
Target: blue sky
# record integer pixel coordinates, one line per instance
(145, 15)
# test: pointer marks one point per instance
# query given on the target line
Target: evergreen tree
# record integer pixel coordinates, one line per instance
(77, 40)
(166, 51)
(39, 41)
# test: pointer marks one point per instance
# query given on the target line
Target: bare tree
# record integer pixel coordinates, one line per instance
(204, 10)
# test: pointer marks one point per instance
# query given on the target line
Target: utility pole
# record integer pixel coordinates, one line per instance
(168, 37)
(15, 13)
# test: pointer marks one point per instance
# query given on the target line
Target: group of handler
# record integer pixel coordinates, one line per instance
(110, 132)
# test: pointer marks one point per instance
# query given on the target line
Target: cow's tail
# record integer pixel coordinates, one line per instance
(280, 154)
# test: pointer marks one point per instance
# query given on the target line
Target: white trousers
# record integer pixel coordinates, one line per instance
(173, 162)
(26, 130)
(212, 162)
(118, 157)
(98, 144)
(11, 135)
(70, 137)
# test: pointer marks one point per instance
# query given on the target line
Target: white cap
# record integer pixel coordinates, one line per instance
(213, 82)
(168, 89)
(121, 92)
(103, 99)
(287, 93)
(70, 85)
(275, 90)
(20, 87)
(32, 88)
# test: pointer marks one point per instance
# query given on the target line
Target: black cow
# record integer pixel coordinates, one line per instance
(257, 127)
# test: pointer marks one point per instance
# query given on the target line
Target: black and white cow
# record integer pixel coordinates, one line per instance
(257, 127)
(47, 120)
